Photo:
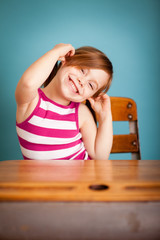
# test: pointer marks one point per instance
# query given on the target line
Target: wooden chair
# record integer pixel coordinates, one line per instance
(125, 109)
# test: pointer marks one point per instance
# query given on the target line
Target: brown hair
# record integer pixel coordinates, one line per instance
(86, 57)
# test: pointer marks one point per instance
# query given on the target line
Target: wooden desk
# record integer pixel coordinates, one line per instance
(80, 199)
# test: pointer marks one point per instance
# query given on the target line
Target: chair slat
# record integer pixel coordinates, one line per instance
(123, 109)
(125, 143)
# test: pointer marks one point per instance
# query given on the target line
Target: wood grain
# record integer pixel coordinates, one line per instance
(122, 108)
(126, 180)
(125, 143)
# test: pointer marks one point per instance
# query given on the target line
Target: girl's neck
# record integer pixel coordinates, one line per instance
(52, 92)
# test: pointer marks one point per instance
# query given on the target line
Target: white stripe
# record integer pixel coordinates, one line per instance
(51, 107)
(48, 155)
(52, 124)
(33, 138)
(86, 156)
(77, 154)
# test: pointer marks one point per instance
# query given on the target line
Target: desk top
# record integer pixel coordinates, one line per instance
(79, 180)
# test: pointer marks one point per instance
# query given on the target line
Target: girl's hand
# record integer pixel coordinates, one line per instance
(101, 105)
(64, 50)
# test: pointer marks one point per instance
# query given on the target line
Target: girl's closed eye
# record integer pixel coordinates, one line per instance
(84, 71)
(91, 86)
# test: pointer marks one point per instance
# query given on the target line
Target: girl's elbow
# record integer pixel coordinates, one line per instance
(101, 156)
(26, 82)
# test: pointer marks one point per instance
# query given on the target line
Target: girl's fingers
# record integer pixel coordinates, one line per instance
(101, 103)
(69, 54)
(72, 52)
(64, 50)
(102, 97)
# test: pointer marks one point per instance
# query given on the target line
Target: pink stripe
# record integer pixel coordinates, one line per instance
(44, 97)
(43, 147)
(26, 158)
(55, 116)
(81, 156)
(47, 132)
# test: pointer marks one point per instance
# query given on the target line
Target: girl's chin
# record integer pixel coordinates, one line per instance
(74, 98)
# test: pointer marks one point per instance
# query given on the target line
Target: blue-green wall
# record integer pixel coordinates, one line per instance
(127, 31)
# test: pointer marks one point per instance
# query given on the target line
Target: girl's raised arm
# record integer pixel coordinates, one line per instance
(39, 71)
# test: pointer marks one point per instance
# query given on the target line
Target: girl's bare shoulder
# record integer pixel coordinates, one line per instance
(84, 115)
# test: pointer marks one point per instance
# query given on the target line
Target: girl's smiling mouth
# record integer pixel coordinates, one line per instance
(73, 85)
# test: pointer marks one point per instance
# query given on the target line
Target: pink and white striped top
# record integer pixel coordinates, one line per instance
(51, 132)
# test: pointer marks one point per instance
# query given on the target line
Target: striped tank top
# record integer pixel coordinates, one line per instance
(51, 132)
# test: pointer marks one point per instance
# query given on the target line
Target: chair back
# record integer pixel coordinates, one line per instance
(125, 109)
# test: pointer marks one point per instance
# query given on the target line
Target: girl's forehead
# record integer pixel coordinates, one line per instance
(99, 75)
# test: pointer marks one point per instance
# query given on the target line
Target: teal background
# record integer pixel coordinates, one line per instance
(127, 31)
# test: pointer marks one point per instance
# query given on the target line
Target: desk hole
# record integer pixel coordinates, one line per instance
(98, 187)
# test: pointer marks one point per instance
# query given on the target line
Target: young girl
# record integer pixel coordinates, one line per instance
(52, 122)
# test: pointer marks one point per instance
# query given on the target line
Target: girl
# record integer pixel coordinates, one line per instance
(52, 122)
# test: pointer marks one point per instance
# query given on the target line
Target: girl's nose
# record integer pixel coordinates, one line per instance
(81, 82)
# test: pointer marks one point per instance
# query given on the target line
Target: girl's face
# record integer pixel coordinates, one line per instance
(79, 84)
